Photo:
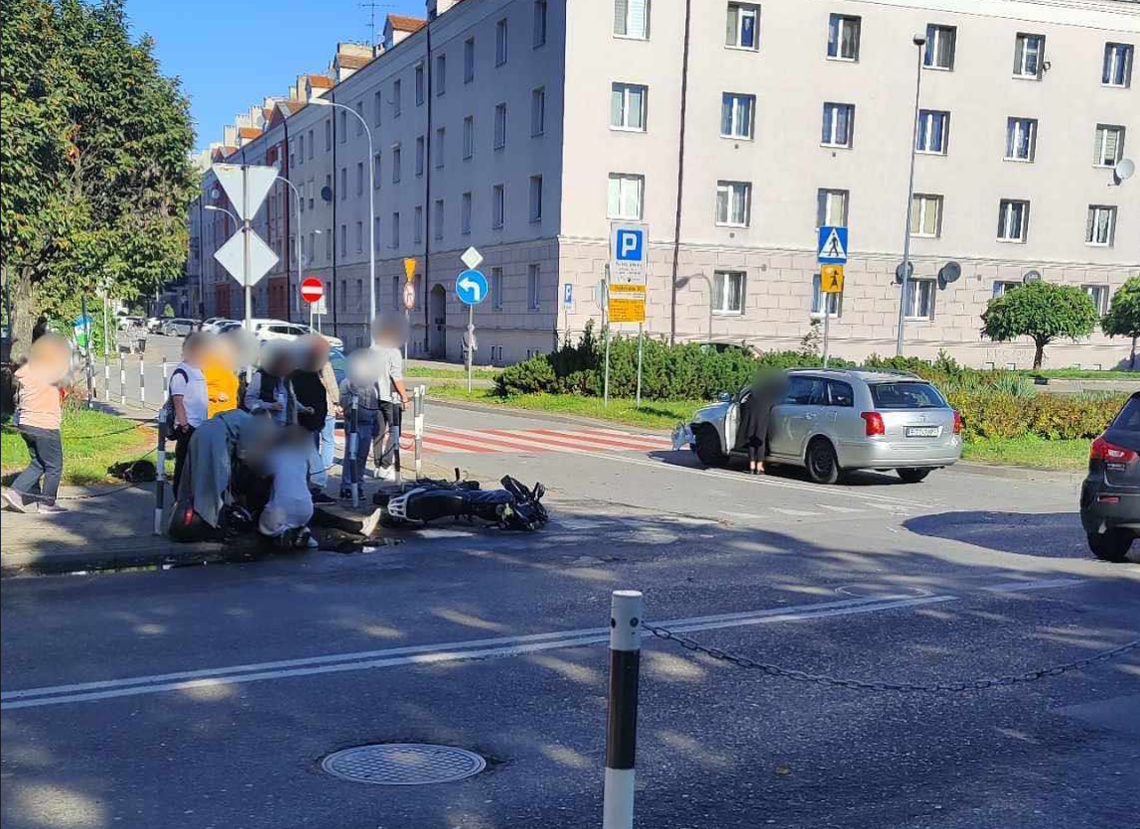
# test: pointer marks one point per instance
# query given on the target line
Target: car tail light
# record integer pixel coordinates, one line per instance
(957, 423)
(874, 423)
(1102, 450)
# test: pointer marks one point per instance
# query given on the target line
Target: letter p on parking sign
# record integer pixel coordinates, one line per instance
(629, 253)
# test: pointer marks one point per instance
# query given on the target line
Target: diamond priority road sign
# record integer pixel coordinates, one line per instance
(231, 256)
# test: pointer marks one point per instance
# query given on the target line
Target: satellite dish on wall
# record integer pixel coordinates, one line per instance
(326, 193)
(1032, 276)
(1124, 170)
(899, 272)
(950, 273)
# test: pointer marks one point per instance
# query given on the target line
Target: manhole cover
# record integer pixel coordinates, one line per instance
(403, 764)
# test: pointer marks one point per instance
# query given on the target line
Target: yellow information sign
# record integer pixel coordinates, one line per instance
(627, 308)
(410, 268)
(831, 279)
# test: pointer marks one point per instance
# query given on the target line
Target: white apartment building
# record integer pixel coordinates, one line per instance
(523, 127)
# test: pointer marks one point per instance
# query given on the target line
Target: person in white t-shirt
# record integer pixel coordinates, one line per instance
(189, 399)
(392, 393)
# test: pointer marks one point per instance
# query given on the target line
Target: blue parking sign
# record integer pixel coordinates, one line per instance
(629, 245)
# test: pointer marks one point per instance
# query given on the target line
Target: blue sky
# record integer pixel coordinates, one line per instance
(232, 54)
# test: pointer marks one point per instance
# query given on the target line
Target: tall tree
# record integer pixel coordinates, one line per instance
(1123, 317)
(96, 173)
(1042, 311)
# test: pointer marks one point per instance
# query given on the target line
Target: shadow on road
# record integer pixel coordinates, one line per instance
(689, 460)
(1047, 535)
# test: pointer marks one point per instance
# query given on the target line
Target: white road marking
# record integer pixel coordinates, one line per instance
(833, 508)
(427, 654)
(747, 516)
(1036, 584)
(796, 513)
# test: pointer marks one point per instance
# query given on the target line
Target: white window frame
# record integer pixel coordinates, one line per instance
(1093, 237)
(468, 137)
(733, 39)
(919, 212)
(500, 137)
(834, 302)
(421, 83)
(439, 79)
(535, 199)
(498, 206)
(1100, 295)
(926, 132)
(1022, 51)
(1101, 138)
(465, 207)
(1016, 127)
(533, 286)
(1118, 59)
(537, 111)
(623, 181)
(917, 289)
(721, 304)
(1005, 221)
(936, 35)
(622, 25)
(502, 40)
(824, 199)
(730, 110)
(624, 90)
(1000, 288)
(734, 195)
(830, 140)
(837, 25)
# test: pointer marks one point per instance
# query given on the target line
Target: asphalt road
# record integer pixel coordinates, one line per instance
(207, 697)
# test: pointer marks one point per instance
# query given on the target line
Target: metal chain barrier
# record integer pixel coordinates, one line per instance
(979, 684)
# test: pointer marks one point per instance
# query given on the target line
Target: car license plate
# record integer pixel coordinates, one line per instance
(923, 431)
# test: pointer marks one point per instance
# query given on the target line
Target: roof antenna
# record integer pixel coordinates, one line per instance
(372, 7)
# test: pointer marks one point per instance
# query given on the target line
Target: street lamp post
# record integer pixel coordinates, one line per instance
(297, 194)
(919, 42)
(371, 205)
(685, 280)
(219, 209)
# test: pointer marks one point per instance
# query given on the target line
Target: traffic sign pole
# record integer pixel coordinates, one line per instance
(826, 328)
(640, 350)
(606, 382)
(470, 341)
(246, 230)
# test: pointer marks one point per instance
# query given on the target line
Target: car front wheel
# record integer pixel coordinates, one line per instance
(708, 447)
(822, 465)
(1111, 546)
(913, 476)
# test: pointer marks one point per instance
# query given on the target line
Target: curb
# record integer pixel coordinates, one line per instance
(163, 554)
(1018, 473)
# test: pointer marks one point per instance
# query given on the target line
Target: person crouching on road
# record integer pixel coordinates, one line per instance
(312, 396)
(286, 516)
(189, 397)
(38, 416)
(368, 423)
(219, 367)
(393, 396)
(270, 391)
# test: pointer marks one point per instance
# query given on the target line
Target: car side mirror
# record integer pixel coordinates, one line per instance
(724, 397)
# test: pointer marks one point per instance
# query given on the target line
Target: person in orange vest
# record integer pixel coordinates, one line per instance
(220, 370)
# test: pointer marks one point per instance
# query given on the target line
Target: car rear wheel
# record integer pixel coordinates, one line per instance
(913, 476)
(822, 465)
(708, 447)
(1111, 546)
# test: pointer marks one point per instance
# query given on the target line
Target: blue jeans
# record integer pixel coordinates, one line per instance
(366, 431)
(326, 446)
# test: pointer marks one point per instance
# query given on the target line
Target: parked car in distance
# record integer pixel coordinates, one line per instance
(270, 329)
(211, 325)
(154, 324)
(179, 327)
(128, 322)
(836, 421)
(1110, 495)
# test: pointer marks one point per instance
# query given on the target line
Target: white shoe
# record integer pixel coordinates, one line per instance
(14, 500)
(386, 473)
(371, 523)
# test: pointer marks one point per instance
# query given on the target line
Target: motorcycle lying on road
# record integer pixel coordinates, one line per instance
(514, 507)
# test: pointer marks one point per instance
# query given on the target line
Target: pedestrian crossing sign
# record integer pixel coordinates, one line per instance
(832, 245)
(831, 279)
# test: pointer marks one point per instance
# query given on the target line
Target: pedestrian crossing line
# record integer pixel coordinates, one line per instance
(599, 441)
(888, 507)
(448, 439)
(796, 513)
(834, 508)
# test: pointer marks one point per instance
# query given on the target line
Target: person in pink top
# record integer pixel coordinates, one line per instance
(37, 419)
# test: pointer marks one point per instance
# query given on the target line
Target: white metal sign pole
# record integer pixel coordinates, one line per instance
(247, 266)
(609, 324)
(470, 342)
(826, 327)
(640, 349)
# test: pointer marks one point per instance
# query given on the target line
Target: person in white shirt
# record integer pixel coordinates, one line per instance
(392, 394)
(189, 399)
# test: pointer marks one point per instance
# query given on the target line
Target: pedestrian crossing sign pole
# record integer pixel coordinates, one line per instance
(832, 255)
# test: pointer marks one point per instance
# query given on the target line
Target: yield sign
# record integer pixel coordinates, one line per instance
(231, 255)
(234, 181)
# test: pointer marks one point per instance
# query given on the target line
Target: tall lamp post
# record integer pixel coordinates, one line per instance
(685, 280)
(919, 41)
(371, 205)
(297, 195)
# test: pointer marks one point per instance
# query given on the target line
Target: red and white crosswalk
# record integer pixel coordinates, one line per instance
(446, 440)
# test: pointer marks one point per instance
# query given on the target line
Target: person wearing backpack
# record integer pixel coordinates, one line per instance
(189, 399)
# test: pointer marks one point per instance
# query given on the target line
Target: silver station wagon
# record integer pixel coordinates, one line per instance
(832, 421)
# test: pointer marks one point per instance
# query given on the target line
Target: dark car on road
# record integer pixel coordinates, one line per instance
(1110, 496)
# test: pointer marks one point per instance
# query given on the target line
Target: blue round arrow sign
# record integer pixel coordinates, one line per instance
(471, 287)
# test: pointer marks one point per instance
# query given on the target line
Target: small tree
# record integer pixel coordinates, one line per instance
(1042, 311)
(168, 310)
(1123, 317)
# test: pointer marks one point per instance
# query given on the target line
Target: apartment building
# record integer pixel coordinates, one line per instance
(523, 127)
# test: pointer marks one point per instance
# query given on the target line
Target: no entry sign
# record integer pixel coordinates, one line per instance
(312, 290)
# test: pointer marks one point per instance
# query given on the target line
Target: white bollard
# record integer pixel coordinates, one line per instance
(122, 379)
(160, 474)
(351, 449)
(142, 380)
(418, 427)
(621, 720)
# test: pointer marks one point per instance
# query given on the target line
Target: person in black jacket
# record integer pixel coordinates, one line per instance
(767, 390)
(312, 396)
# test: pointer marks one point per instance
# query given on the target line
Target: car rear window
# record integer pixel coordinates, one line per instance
(1129, 417)
(906, 395)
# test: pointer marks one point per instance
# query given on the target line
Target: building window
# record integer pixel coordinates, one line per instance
(439, 81)
(1100, 226)
(838, 124)
(360, 237)
(1013, 220)
(360, 178)
(397, 158)
(920, 299)
(328, 134)
(1021, 139)
(312, 143)
(926, 216)
(1028, 55)
(940, 42)
(376, 176)
(933, 130)
(397, 97)
(421, 84)
(1099, 296)
(343, 240)
(1002, 288)
(1109, 147)
(376, 233)
(343, 183)
(497, 288)
(342, 127)
(420, 149)
(818, 298)
(469, 136)
(377, 107)
(465, 214)
(733, 203)
(728, 292)
(396, 229)
(469, 60)
(301, 153)
(625, 196)
(631, 19)
(498, 206)
(743, 28)
(396, 291)
(440, 143)
(501, 42)
(627, 106)
(843, 37)
(737, 115)
(533, 285)
(831, 208)
(418, 225)
(539, 23)
(1117, 64)
(438, 219)
(359, 109)
(500, 126)
(538, 111)
(536, 198)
